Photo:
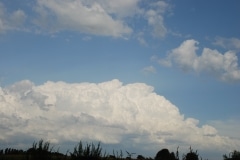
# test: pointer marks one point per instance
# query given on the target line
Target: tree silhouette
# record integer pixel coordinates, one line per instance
(164, 154)
(39, 151)
(235, 155)
(140, 157)
(191, 155)
(89, 152)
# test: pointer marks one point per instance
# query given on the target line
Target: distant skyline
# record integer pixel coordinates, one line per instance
(132, 73)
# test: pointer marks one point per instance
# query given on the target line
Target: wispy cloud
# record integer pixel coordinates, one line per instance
(228, 43)
(221, 65)
(149, 69)
(82, 16)
(155, 18)
(105, 17)
(102, 18)
(10, 21)
(109, 112)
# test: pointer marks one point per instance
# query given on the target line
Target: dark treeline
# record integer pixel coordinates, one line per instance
(43, 151)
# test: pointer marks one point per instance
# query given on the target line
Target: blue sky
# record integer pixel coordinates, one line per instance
(188, 51)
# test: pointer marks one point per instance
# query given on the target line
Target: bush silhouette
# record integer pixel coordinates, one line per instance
(164, 154)
(42, 151)
(191, 155)
(90, 152)
(39, 151)
(235, 155)
(140, 157)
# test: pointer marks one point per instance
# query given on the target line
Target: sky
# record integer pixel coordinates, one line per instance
(133, 74)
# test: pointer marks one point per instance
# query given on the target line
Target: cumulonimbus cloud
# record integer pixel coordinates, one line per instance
(110, 112)
(221, 65)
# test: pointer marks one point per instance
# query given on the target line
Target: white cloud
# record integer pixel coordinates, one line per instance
(155, 18)
(141, 40)
(11, 21)
(121, 9)
(149, 69)
(230, 127)
(83, 16)
(103, 17)
(109, 112)
(223, 66)
(95, 17)
(228, 43)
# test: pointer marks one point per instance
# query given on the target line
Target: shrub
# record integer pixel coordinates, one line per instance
(90, 152)
(235, 155)
(39, 151)
(164, 154)
(191, 155)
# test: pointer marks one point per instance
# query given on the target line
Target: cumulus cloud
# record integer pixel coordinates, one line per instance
(103, 17)
(221, 65)
(94, 17)
(229, 127)
(76, 15)
(110, 112)
(11, 20)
